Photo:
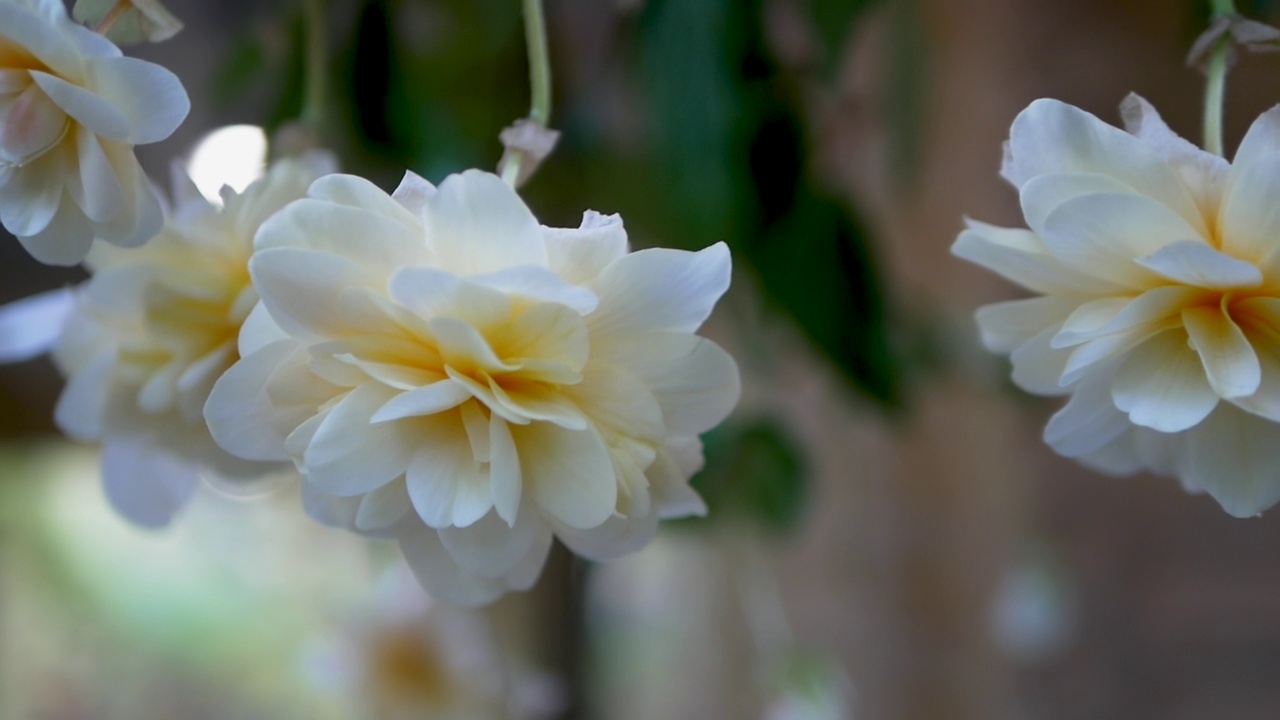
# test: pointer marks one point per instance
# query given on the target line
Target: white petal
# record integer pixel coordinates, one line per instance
(349, 455)
(302, 289)
(445, 580)
(139, 220)
(1041, 195)
(1108, 316)
(1004, 326)
(1233, 456)
(42, 38)
(145, 485)
(1038, 366)
(579, 255)
(1020, 256)
(669, 475)
(258, 331)
(427, 400)
(1103, 234)
(96, 189)
(1259, 319)
(505, 479)
(30, 124)
(660, 289)
(477, 224)
(363, 237)
(444, 477)
(568, 472)
(1053, 137)
(429, 292)
(413, 193)
(1262, 139)
(1162, 385)
(383, 507)
(151, 97)
(1203, 172)
(65, 241)
(1193, 263)
(490, 548)
(357, 192)
(80, 409)
(239, 410)
(33, 199)
(1250, 219)
(90, 110)
(539, 284)
(1228, 358)
(1089, 421)
(31, 326)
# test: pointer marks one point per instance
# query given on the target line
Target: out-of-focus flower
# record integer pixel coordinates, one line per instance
(1160, 311)
(153, 329)
(444, 370)
(71, 110)
(128, 21)
(402, 657)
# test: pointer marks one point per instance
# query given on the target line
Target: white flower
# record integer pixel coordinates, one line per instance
(1160, 311)
(150, 333)
(444, 370)
(71, 110)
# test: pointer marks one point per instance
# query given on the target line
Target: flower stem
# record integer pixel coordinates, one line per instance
(315, 96)
(1216, 85)
(535, 36)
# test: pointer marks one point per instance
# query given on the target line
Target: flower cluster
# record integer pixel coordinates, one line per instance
(153, 329)
(1157, 267)
(445, 371)
(71, 110)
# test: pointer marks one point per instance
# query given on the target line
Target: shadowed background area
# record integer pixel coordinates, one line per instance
(888, 540)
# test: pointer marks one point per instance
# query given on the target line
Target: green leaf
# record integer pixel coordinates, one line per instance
(754, 469)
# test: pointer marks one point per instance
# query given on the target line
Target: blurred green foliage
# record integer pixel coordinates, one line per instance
(754, 469)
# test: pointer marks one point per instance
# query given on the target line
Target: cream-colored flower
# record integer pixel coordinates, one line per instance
(71, 110)
(150, 333)
(1159, 313)
(444, 370)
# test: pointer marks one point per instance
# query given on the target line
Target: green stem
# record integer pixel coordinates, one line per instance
(535, 37)
(315, 97)
(1216, 85)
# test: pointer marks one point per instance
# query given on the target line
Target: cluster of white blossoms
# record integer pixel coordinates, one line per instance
(71, 110)
(151, 331)
(445, 371)
(1158, 266)
(437, 366)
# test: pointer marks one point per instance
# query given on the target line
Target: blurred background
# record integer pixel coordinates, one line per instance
(888, 540)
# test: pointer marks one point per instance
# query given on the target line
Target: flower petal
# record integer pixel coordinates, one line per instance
(383, 507)
(490, 548)
(92, 111)
(1233, 455)
(660, 289)
(505, 478)
(1192, 262)
(145, 485)
(1088, 422)
(447, 484)
(1006, 325)
(83, 401)
(1102, 234)
(427, 400)
(579, 255)
(151, 96)
(477, 224)
(349, 455)
(302, 289)
(1021, 257)
(568, 473)
(239, 411)
(1053, 137)
(1250, 219)
(1227, 356)
(1162, 385)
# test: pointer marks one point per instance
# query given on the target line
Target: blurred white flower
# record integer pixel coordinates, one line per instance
(444, 370)
(1160, 310)
(150, 333)
(71, 110)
